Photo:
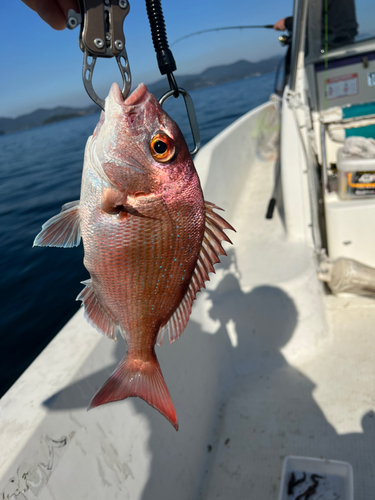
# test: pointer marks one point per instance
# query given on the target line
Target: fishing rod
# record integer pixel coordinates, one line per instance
(267, 26)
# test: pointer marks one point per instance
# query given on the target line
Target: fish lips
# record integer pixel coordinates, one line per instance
(116, 105)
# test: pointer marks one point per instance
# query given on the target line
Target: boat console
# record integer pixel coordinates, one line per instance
(337, 84)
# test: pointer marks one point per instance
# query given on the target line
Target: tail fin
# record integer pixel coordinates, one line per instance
(135, 378)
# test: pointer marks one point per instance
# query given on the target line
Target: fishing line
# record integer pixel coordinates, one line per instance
(267, 26)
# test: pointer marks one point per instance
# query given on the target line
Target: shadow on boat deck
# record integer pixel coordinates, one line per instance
(242, 408)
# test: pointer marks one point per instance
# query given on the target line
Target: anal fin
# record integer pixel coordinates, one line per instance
(62, 230)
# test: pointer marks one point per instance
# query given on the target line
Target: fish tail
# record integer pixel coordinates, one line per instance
(142, 379)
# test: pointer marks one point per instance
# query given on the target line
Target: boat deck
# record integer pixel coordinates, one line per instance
(288, 398)
(270, 365)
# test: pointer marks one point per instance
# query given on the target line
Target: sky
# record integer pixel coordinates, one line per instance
(41, 67)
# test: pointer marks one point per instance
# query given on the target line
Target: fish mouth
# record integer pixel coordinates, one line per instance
(138, 96)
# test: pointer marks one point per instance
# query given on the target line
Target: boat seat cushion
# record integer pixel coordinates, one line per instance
(349, 121)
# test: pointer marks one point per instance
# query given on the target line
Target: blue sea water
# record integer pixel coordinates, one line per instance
(40, 170)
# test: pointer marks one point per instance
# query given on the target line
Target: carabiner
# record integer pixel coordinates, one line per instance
(191, 115)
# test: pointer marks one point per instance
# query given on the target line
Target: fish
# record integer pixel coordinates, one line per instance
(150, 239)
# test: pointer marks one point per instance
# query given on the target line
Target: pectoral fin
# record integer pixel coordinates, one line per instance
(62, 230)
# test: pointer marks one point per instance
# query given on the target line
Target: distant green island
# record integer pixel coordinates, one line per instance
(44, 117)
(212, 76)
(60, 118)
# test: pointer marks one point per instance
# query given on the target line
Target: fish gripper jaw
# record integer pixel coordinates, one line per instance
(101, 35)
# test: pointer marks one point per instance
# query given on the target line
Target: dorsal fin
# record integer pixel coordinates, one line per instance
(209, 254)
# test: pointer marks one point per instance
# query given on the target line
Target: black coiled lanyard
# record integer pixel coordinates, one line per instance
(167, 65)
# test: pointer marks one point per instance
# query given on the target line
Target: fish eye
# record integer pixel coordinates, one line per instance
(162, 148)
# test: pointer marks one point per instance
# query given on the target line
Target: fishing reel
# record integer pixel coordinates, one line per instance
(285, 40)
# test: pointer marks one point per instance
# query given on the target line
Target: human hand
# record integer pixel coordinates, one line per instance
(53, 12)
(280, 25)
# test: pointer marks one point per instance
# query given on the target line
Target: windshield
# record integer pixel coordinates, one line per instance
(340, 25)
(336, 23)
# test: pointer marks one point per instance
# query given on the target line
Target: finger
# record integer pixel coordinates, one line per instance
(280, 25)
(65, 5)
(49, 11)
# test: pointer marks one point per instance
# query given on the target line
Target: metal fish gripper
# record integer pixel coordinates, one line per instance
(101, 35)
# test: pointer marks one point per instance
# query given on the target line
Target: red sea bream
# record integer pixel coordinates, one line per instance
(149, 238)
